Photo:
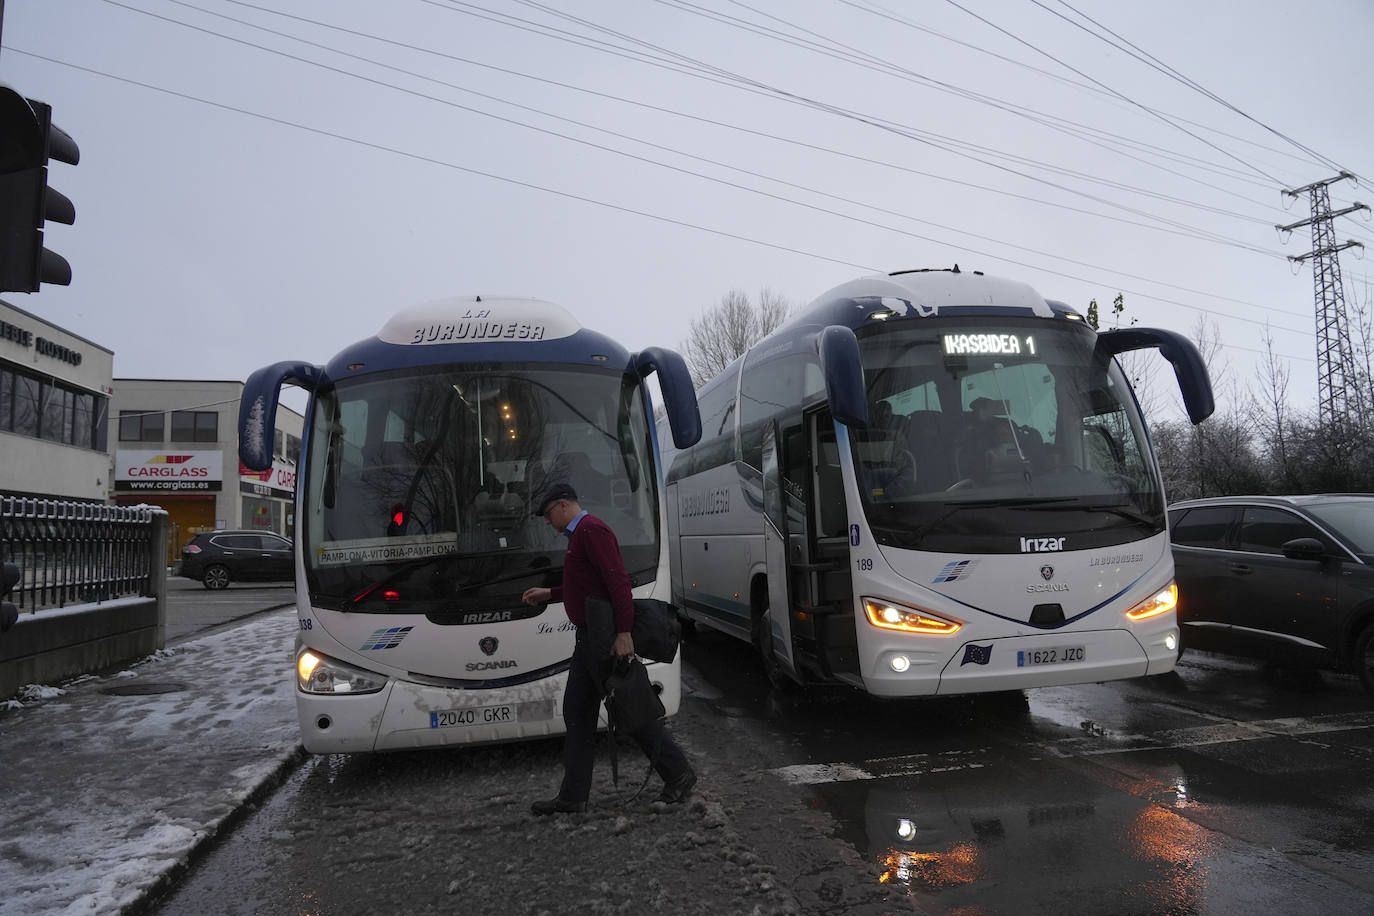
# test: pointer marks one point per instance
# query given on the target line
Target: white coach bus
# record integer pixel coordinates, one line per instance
(932, 482)
(425, 450)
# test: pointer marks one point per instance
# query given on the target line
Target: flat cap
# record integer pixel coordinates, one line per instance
(553, 494)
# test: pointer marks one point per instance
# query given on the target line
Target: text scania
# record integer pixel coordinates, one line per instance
(489, 666)
(1038, 545)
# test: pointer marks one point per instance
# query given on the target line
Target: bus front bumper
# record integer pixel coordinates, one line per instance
(407, 715)
(1021, 662)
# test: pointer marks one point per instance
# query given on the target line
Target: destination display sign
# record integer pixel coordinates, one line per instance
(988, 344)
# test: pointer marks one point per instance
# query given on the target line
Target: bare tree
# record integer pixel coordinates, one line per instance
(1362, 383)
(721, 333)
(1139, 366)
(1274, 420)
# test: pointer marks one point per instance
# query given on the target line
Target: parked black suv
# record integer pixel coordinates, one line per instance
(218, 557)
(1287, 578)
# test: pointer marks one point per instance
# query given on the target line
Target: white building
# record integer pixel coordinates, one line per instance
(54, 410)
(174, 444)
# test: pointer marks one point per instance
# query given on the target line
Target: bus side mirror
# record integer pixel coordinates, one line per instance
(1193, 381)
(844, 375)
(258, 408)
(679, 398)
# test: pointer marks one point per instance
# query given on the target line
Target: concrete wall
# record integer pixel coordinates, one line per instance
(49, 647)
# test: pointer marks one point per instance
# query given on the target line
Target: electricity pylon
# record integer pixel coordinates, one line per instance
(1337, 387)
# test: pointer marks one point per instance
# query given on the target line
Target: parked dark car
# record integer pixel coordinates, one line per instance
(1285, 578)
(217, 558)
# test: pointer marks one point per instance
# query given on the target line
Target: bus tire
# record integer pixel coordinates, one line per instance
(763, 642)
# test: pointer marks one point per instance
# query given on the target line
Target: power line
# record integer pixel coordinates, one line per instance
(883, 13)
(1079, 175)
(866, 59)
(1123, 97)
(443, 163)
(699, 69)
(599, 203)
(653, 216)
(712, 162)
(1164, 68)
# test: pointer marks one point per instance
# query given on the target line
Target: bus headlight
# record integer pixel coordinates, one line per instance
(1161, 602)
(322, 674)
(890, 616)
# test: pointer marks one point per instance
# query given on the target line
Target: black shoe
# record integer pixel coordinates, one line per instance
(679, 790)
(557, 806)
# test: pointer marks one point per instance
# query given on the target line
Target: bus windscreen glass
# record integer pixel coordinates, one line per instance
(423, 484)
(972, 416)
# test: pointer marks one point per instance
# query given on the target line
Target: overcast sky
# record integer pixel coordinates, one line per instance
(257, 186)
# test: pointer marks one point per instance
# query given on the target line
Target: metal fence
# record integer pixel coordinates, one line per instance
(78, 553)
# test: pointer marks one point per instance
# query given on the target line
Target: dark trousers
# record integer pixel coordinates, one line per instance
(581, 706)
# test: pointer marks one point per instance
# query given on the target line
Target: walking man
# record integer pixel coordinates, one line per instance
(593, 567)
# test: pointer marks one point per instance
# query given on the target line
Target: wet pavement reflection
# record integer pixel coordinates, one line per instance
(1225, 787)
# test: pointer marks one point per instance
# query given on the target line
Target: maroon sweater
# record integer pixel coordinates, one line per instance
(593, 566)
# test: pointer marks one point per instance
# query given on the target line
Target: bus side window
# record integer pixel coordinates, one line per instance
(831, 519)
(751, 446)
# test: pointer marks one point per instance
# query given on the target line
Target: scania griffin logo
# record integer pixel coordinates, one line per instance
(1047, 573)
(488, 645)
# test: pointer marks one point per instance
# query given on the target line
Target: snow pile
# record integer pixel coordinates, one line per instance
(105, 794)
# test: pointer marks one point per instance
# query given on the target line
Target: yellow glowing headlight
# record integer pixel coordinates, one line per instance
(305, 665)
(889, 616)
(1160, 602)
(321, 674)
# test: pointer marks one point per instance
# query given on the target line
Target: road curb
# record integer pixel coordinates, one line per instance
(152, 895)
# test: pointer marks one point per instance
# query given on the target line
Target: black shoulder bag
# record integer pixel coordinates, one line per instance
(631, 700)
(656, 631)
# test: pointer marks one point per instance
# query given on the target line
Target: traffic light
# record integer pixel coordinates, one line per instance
(9, 578)
(28, 140)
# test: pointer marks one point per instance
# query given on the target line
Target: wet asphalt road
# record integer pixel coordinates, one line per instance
(1225, 788)
(193, 609)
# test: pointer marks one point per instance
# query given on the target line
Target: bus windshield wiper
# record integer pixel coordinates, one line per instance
(954, 508)
(391, 576)
(535, 569)
(411, 565)
(1124, 510)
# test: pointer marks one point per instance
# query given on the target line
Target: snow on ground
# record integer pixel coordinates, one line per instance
(105, 794)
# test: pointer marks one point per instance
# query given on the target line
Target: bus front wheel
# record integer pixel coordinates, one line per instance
(763, 642)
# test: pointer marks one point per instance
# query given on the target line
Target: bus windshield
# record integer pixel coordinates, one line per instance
(972, 416)
(421, 484)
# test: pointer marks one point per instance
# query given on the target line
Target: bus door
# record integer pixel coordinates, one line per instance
(825, 583)
(776, 634)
